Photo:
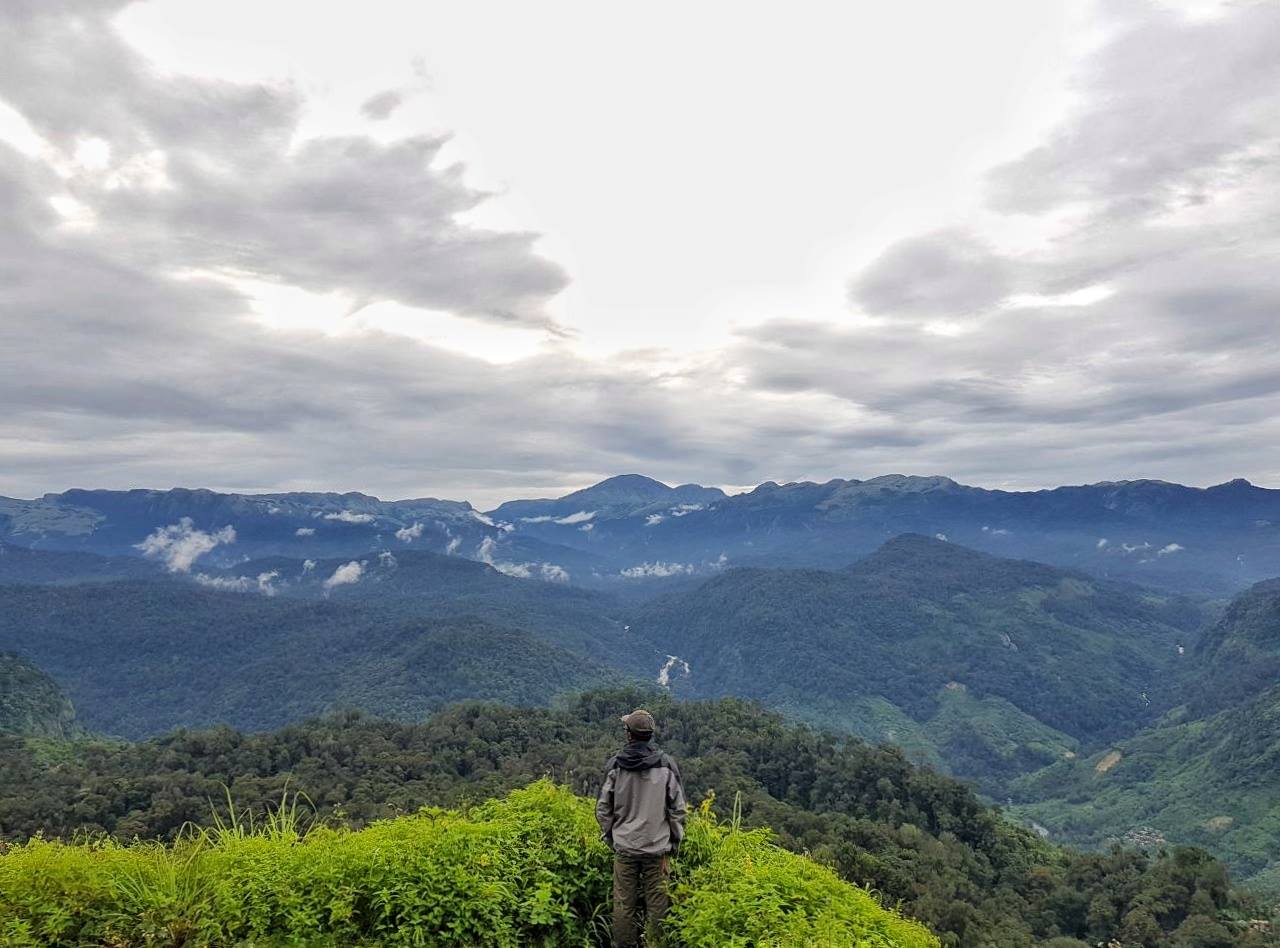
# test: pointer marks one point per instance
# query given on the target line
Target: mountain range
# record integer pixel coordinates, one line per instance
(1096, 706)
(632, 529)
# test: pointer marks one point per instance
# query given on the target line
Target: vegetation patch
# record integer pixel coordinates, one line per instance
(527, 870)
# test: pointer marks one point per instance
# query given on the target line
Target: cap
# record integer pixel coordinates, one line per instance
(639, 721)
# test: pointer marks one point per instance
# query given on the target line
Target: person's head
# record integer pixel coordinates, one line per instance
(640, 725)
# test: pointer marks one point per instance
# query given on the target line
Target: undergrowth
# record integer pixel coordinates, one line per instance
(527, 870)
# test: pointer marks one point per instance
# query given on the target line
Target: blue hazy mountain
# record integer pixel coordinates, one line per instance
(632, 532)
(1213, 540)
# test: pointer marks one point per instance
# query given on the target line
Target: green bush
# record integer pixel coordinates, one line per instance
(733, 888)
(528, 870)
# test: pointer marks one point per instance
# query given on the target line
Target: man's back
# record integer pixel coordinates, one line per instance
(641, 809)
(641, 812)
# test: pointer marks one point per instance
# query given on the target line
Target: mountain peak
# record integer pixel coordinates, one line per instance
(910, 556)
(1237, 483)
(637, 489)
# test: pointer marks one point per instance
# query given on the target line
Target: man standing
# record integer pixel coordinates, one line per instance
(641, 813)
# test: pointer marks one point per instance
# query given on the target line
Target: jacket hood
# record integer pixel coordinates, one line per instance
(637, 756)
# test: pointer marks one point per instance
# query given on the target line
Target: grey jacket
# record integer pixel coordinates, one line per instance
(641, 809)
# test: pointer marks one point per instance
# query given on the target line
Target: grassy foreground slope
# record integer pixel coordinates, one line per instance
(527, 870)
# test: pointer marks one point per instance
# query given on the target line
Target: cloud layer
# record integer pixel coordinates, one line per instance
(130, 353)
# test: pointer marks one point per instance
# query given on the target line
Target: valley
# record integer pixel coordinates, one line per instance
(1094, 708)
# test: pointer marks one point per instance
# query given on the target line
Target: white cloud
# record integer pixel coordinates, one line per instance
(350, 516)
(553, 573)
(1170, 549)
(409, 534)
(587, 527)
(940, 536)
(483, 518)
(387, 560)
(453, 545)
(582, 516)
(263, 583)
(305, 532)
(1102, 542)
(653, 520)
(657, 570)
(308, 566)
(998, 532)
(683, 510)
(549, 572)
(180, 544)
(345, 575)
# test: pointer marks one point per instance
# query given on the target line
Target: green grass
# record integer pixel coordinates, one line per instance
(528, 870)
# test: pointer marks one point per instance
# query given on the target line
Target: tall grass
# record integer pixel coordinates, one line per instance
(528, 870)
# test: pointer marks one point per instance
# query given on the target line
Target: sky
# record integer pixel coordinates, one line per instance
(496, 249)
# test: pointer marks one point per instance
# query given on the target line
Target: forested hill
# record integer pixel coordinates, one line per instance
(31, 703)
(917, 838)
(994, 666)
(1204, 773)
(1241, 653)
(139, 658)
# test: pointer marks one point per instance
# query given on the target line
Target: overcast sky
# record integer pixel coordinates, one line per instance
(484, 250)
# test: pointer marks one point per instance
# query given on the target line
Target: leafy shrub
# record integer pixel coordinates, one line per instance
(736, 889)
(528, 870)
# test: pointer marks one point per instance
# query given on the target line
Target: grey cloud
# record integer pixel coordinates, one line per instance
(1172, 170)
(380, 106)
(944, 274)
(375, 220)
(1173, 107)
(117, 373)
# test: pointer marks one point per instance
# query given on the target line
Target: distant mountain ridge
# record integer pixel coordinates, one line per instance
(631, 530)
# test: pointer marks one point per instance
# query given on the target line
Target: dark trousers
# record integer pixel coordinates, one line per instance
(638, 882)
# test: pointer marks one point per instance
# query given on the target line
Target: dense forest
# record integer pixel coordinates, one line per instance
(1050, 656)
(922, 841)
(138, 658)
(31, 703)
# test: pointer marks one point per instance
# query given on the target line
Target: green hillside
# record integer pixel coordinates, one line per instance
(921, 841)
(1241, 653)
(31, 703)
(1209, 782)
(1204, 774)
(138, 658)
(1041, 658)
(527, 870)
